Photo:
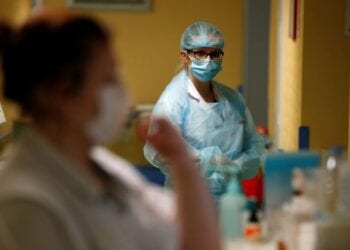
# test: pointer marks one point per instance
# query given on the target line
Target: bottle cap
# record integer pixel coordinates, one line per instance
(336, 149)
(253, 218)
(234, 187)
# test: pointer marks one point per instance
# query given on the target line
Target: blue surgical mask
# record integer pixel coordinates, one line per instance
(205, 71)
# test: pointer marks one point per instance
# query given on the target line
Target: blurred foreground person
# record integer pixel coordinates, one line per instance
(58, 189)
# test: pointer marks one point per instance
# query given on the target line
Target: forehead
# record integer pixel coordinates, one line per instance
(102, 51)
(102, 65)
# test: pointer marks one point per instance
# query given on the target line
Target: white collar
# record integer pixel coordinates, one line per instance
(194, 94)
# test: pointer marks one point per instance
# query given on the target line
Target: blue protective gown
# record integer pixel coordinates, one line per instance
(224, 129)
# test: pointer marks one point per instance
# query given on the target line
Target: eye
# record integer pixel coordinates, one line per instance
(216, 54)
(201, 54)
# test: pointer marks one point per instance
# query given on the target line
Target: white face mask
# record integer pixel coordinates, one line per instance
(113, 105)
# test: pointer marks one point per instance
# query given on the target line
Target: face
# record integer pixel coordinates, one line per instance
(202, 64)
(100, 72)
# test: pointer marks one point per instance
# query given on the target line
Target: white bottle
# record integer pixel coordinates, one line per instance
(343, 203)
(329, 183)
(231, 207)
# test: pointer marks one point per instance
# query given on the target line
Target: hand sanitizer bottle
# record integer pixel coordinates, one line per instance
(231, 206)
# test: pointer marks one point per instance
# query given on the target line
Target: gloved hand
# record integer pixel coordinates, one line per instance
(217, 183)
(218, 170)
(222, 164)
(209, 159)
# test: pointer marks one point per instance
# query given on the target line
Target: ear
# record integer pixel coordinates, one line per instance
(61, 98)
(184, 58)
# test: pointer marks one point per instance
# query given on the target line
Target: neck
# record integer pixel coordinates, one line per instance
(74, 144)
(205, 89)
(68, 140)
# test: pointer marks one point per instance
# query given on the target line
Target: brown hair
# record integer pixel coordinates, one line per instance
(43, 51)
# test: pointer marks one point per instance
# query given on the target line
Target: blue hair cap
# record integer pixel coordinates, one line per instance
(201, 34)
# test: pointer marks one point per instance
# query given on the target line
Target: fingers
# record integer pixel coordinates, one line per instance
(163, 137)
(166, 139)
(141, 127)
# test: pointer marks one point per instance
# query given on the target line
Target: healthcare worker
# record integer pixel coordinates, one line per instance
(213, 118)
(60, 189)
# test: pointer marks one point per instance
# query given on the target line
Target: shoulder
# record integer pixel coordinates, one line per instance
(29, 202)
(176, 90)
(19, 179)
(232, 95)
(22, 186)
(174, 98)
(35, 219)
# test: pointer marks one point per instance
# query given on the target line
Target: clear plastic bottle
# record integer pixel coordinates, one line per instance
(231, 207)
(335, 185)
(343, 203)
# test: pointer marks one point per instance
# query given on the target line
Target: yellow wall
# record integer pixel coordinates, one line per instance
(14, 12)
(315, 74)
(147, 44)
(326, 71)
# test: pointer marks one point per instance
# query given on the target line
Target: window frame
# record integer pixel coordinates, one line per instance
(144, 6)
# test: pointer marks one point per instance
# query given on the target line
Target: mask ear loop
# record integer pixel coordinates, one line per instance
(188, 61)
